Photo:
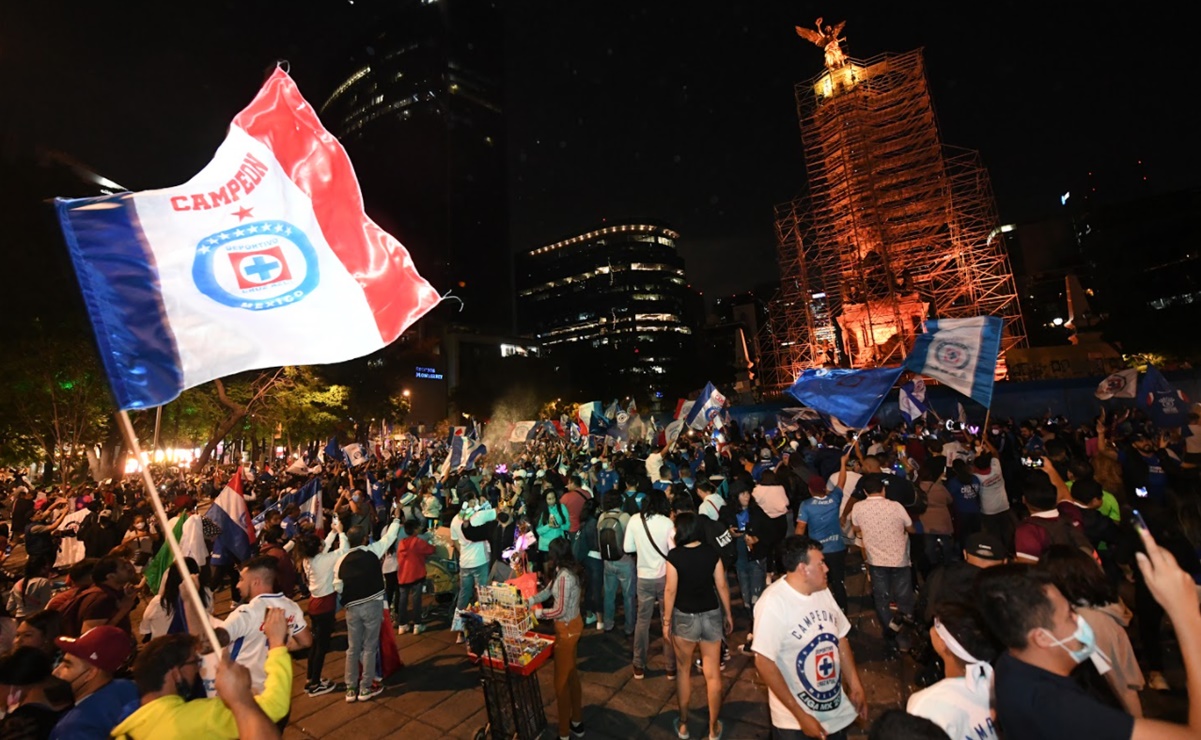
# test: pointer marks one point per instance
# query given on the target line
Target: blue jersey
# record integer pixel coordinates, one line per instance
(821, 519)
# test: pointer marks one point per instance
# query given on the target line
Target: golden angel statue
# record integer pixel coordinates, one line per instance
(827, 38)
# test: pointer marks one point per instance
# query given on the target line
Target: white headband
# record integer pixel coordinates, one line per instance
(979, 672)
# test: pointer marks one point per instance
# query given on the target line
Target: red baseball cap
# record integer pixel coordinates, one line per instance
(105, 647)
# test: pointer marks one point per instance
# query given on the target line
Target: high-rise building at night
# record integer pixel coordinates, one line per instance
(614, 304)
(420, 111)
(896, 227)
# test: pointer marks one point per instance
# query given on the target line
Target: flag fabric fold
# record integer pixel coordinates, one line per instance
(707, 409)
(231, 270)
(229, 511)
(913, 400)
(1122, 384)
(354, 454)
(961, 354)
(852, 396)
(158, 566)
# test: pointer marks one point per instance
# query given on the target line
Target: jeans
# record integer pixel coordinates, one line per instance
(323, 628)
(891, 585)
(362, 636)
(836, 561)
(594, 587)
(390, 590)
(469, 579)
(619, 574)
(650, 592)
(409, 597)
(752, 579)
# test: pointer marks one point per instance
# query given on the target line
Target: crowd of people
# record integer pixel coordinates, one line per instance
(1025, 568)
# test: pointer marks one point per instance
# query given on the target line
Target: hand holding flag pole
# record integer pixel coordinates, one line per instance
(189, 587)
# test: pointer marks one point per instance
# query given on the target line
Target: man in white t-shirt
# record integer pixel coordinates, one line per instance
(802, 653)
(248, 643)
(473, 556)
(960, 703)
(654, 462)
(711, 501)
(655, 521)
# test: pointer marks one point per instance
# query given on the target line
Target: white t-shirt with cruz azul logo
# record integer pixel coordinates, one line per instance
(952, 705)
(801, 635)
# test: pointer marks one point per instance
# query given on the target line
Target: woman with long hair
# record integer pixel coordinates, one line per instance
(552, 522)
(1095, 598)
(566, 578)
(696, 607)
(938, 526)
(165, 614)
(752, 578)
(318, 562)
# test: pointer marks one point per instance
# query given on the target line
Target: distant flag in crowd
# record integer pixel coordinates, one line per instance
(333, 451)
(683, 409)
(707, 409)
(612, 409)
(789, 419)
(522, 431)
(1153, 381)
(672, 430)
(462, 454)
(593, 419)
(961, 354)
(299, 467)
(962, 414)
(355, 454)
(851, 396)
(913, 400)
(232, 270)
(1166, 405)
(1122, 384)
(229, 512)
(162, 560)
(308, 498)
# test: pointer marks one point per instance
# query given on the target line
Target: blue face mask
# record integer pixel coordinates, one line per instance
(1084, 635)
(356, 498)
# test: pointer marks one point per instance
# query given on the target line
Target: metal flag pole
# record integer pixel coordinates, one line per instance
(177, 555)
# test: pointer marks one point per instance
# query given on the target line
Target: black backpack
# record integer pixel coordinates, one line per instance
(610, 536)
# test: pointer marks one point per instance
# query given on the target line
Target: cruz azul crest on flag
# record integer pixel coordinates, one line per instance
(259, 266)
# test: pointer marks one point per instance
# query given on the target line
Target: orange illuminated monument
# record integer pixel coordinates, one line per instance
(895, 228)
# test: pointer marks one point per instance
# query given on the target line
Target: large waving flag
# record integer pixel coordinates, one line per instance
(707, 409)
(961, 354)
(1122, 384)
(236, 541)
(308, 498)
(851, 396)
(523, 431)
(232, 270)
(593, 419)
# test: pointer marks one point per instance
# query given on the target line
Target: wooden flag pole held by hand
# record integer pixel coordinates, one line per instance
(177, 555)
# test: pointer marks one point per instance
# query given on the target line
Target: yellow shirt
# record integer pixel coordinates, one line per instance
(172, 718)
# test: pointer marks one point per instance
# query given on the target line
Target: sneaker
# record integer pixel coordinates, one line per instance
(366, 692)
(322, 687)
(418, 629)
(671, 675)
(352, 695)
(1156, 681)
(590, 618)
(459, 639)
(600, 626)
(402, 629)
(577, 729)
(639, 673)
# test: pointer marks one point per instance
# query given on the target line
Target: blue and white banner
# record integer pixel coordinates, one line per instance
(1122, 384)
(853, 396)
(355, 454)
(523, 431)
(308, 498)
(236, 541)
(707, 409)
(913, 400)
(961, 354)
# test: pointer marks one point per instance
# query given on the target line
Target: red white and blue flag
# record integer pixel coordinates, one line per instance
(229, 511)
(238, 267)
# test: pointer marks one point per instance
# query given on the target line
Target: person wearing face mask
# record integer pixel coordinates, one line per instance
(31, 713)
(1046, 639)
(88, 665)
(606, 478)
(139, 543)
(165, 672)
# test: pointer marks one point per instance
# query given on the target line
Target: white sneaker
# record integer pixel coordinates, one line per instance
(1156, 681)
(600, 626)
(402, 629)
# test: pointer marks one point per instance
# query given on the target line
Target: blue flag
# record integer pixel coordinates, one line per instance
(333, 450)
(961, 354)
(851, 396)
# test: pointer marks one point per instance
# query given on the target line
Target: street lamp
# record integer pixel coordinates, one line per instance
(406, 393)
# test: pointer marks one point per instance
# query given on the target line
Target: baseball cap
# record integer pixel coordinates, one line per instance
(987, 546)
(105, 647)
(519, 473)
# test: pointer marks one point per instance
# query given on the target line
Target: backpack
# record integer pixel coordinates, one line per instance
(1060, 532)
(610, 536)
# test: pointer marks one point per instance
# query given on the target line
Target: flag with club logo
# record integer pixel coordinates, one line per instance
(1122, 384)
(851, 396)
(961, 354)
(707, 409)
(593, 419)
(232, 270)
(913, 400)
(355, 454)
(523, 431)
(308, 498)
(229, 511)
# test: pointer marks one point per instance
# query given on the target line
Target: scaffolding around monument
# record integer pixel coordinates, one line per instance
(895, 228)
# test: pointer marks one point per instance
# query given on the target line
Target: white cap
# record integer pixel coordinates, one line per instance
(519, 473)
(540, 474)
(594, 461)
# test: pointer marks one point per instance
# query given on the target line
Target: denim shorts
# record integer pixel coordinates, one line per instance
(703, 627)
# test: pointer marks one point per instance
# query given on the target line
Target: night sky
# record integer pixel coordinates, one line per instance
(619, 110)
